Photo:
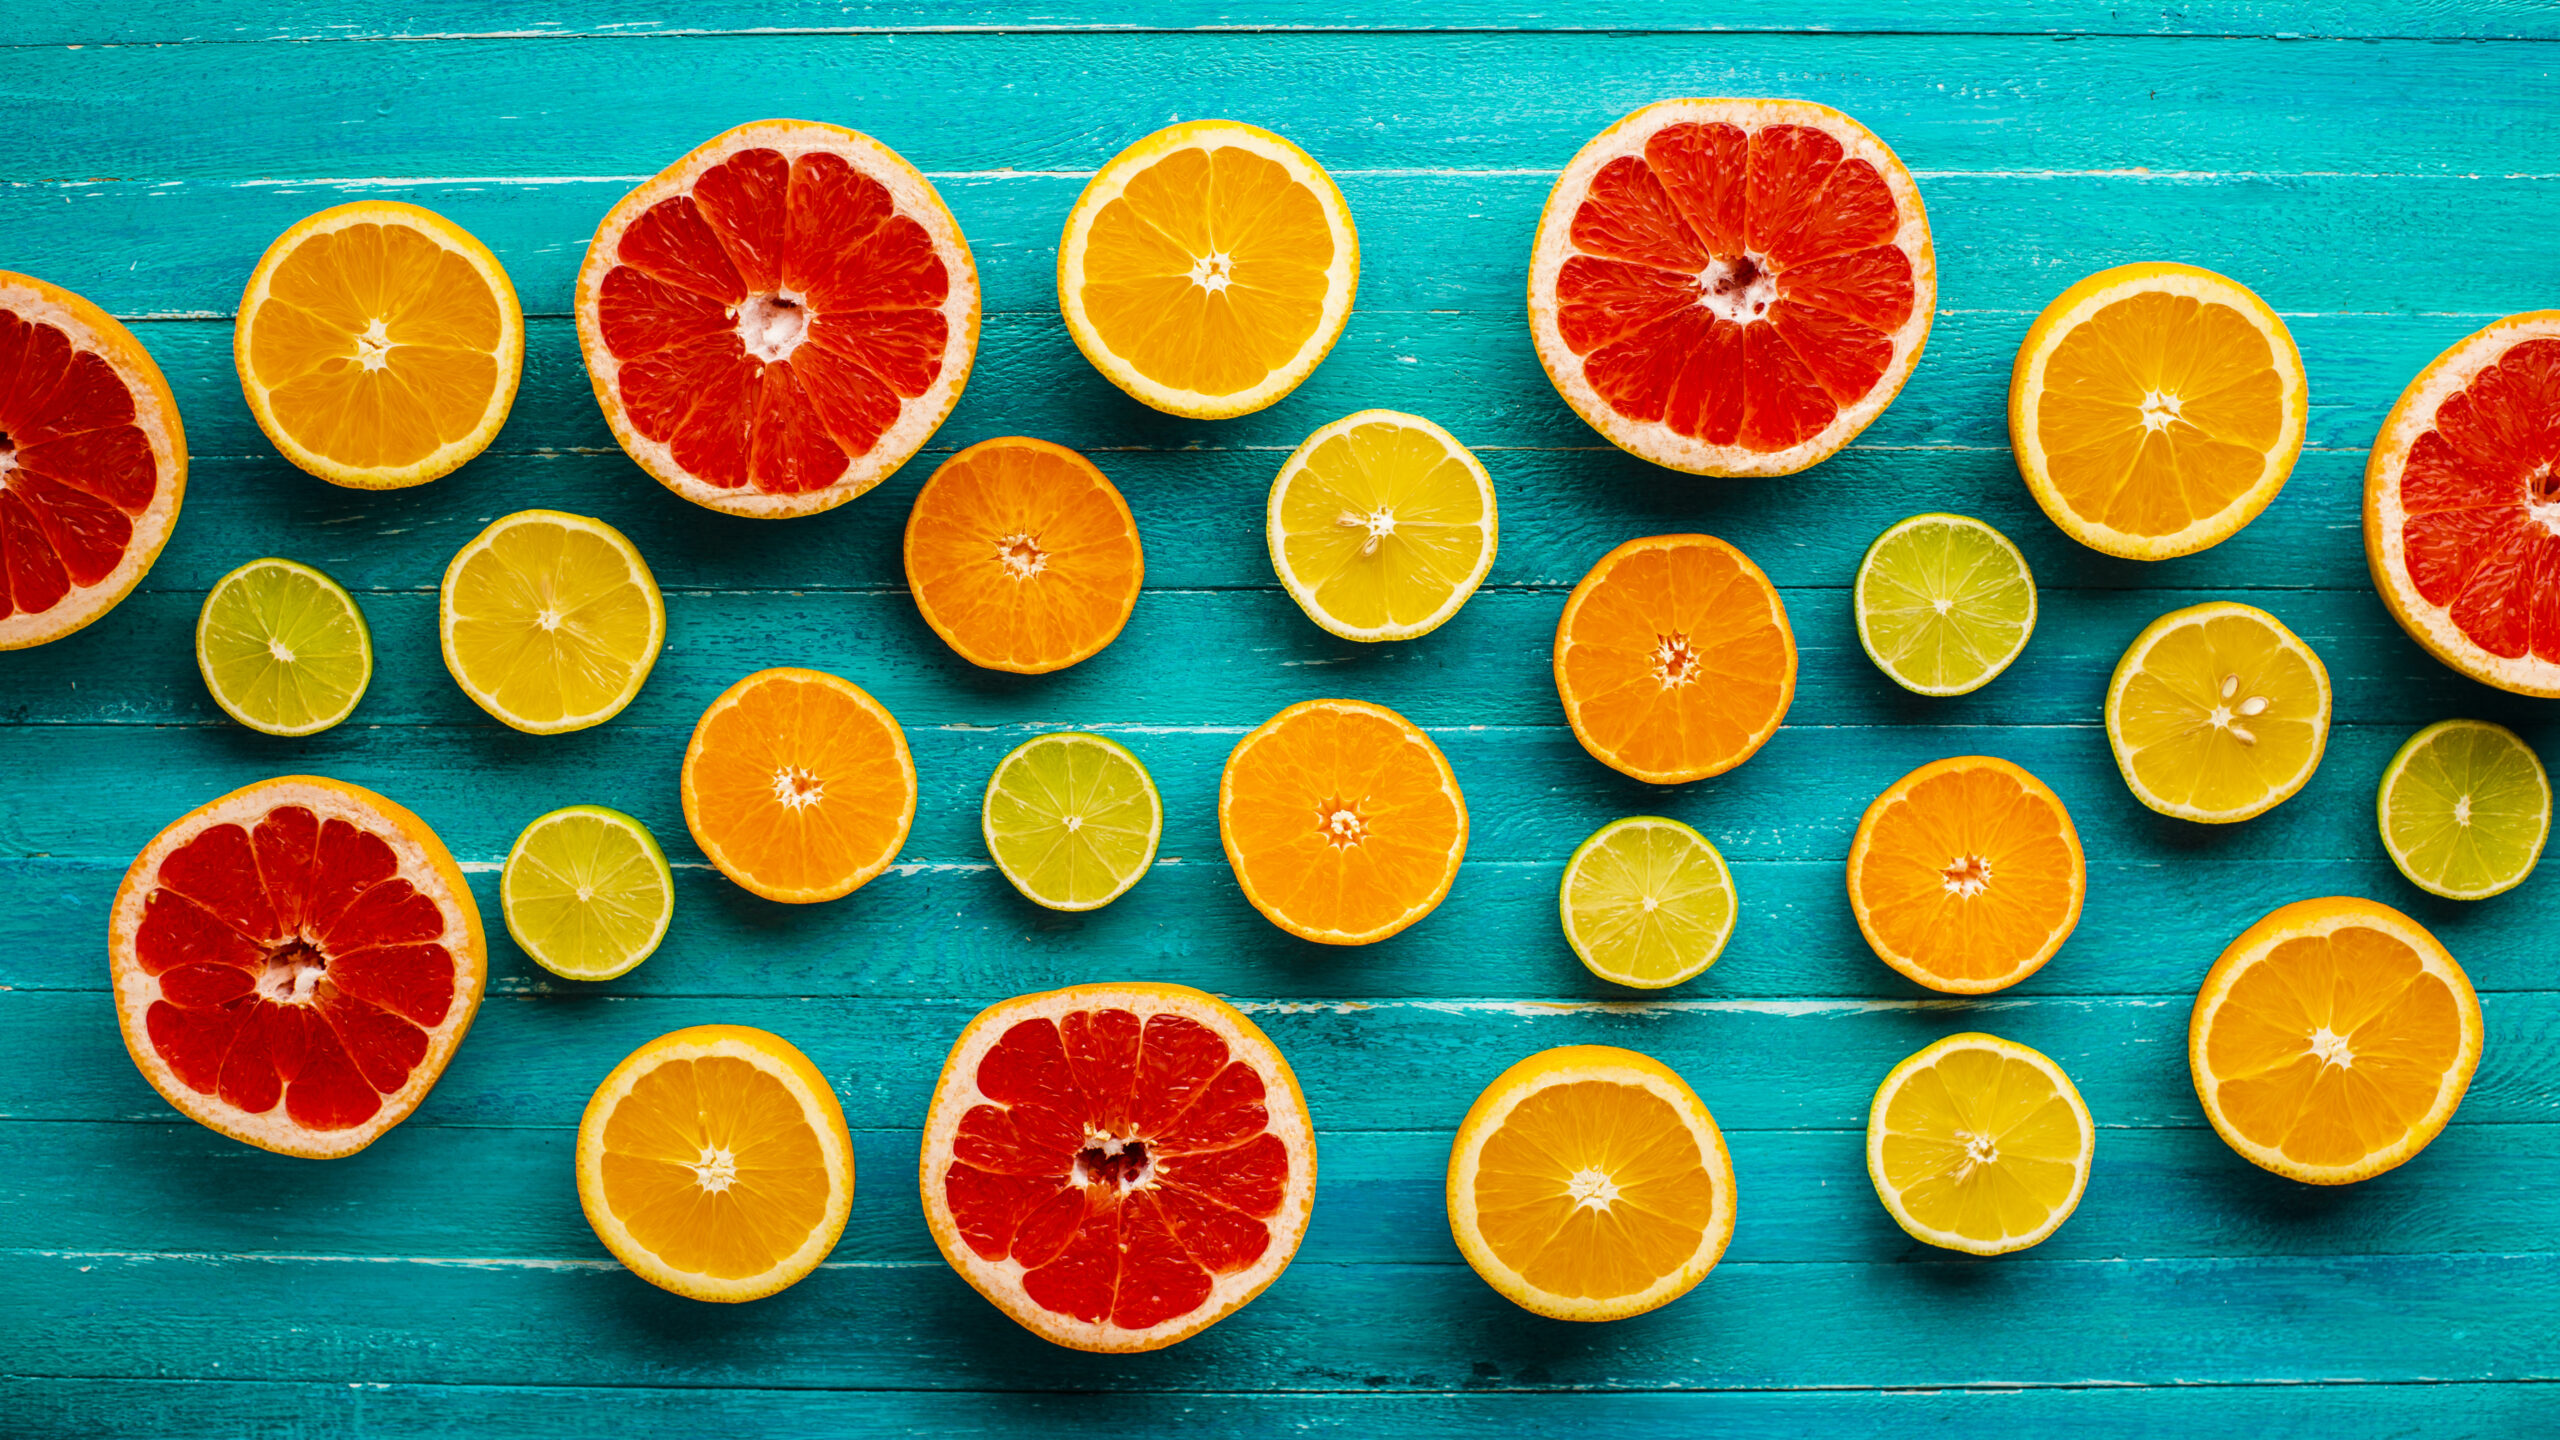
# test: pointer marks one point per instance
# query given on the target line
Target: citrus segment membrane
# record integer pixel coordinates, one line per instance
(2217, 713)
(1071, 820)
(2465, 808)
(283, 648)
(1647, 902)
(1022, 556)
(587, 892)
(1381, 525)
(1979, 1144)
(1944, 603)
(1966, 875)
(798, 785)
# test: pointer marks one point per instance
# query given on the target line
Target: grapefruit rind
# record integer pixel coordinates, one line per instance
(1899, 793)
(1877, 1133)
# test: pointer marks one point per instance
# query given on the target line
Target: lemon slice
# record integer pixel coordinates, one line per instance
(1646, 902)
(2217, 712)
(1072, 820)
(283, 648)
(587, 892)
(2465, 808)
(1944, 604)
(1381, 526)
(1979, 1144)
(550, 621)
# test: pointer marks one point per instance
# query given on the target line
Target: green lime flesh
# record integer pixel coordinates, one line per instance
(283, 648)
(587, 892)
(1072, 820)
(2465, 808)
(1944, 603)
(1646, 902)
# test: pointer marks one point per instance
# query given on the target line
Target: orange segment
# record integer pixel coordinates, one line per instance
(1966, 875)
(1022, 556)
(798, 785)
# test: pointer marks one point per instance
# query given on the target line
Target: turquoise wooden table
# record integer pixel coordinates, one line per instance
(2380, 172)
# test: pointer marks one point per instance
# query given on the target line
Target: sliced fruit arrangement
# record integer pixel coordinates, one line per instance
(2155, 409)
(2462, 506)
(798, 785)
(587, 892)
(294, 963)
(1208, 268)
(1117, 1167)
(2465, 808)
(1381, 525)
(283, 648)
(1072, 820)
(1674, 660)
(1022, 556)
(1966, 875)
(2217, 713)
(2333, 1040)
(1944, 604)
(777, 321)
(1732, 287)
(1979, 1144)
(379, 345)
(550, 622)
(1343, 822)
(714, 1162)
(1590, 1183)
(93, 462)
(1647, 902)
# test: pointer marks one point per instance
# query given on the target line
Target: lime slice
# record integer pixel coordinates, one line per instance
(2464, 809)
(283, 648)
(550, 622)
(1944, 603)
(1072, 820)
(587, 892)
(1381, 525)
(1646, 902)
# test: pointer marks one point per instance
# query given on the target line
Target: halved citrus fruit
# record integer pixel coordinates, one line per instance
(714, 1162)
(1966, 875)
(2462, 506)
(1674, 660)
(1979, 1144)
(283, 648)
(1342, 820)
(798, 785)
(1072, 820)
(1944, 604)
(775, 322)
(550, 622)
(1118, 1166)
(1647, 902)
(93, 462)
(1590, 1183)
(294, 963)
(2217, 713)
(1732, 287)
(379, 345)
(1022, 556)
(2333, 1040)
(1381, 525)
(2465, 808)
(1208, 268)
(587, 892)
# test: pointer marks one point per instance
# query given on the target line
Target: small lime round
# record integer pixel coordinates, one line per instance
(1072, 820)
(1646, 902)
(1944, 603)
(283, 648)
(587, 892)
(2464, 808)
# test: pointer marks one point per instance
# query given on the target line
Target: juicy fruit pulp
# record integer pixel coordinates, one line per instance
(2465, 808)
(1966, 875)
(1647, 902)
(1381, 525)
(1022, 556)
(283, 648)
(587, 892)
(798, 785)
(1980, 1145)
(2217, 713)
(551, 622)
(1072, 820)
(1944, 604)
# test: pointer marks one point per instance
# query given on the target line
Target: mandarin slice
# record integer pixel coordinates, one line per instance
(1966, 875)
(1022, 556)
(798, 785)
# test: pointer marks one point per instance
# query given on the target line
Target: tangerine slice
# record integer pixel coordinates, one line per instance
(1966, 875)
(1023, 557)
(798, 785)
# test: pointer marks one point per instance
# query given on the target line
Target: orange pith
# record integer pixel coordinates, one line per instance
(1966, 874)
(1022, 556)
(1342, 820)
(1674, 660)
(798, 785)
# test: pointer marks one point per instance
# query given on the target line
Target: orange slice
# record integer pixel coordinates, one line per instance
(1674, 660)
(1966, 875)
(798, 785)
(2333, 1040)
(1342, 820)
(1023, 557)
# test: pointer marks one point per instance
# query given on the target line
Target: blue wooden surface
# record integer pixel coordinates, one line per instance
(2380, 172)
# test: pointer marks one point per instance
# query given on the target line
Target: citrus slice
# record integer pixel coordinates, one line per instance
(714, 1162)
(798, 786)
(283, 648)
(587, 892)
(294, 963)
(1342, 820)
(1979, 1144)
(550, 622)
(1117, 1167)
(93, 462)
(1732, 287)
(2465, 808)
(1966, 875)
(1072, 820)
(2155, 409)
(1674, 660)
(1381, 525)
(379, 345)
(775, 322)
(2217, 713)
(2462, 506)
(1944, 604)
(1023, 557)
(1208, 268)
(2333, 1040)
(1589, 1183)
(1646, 902)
